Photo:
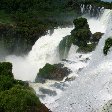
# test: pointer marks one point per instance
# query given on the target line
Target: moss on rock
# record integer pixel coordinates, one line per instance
(52, 72)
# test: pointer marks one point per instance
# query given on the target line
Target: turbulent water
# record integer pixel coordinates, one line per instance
(44, 51)
(92, 87)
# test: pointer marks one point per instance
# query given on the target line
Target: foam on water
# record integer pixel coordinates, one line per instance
(44, 51)
(92, 89)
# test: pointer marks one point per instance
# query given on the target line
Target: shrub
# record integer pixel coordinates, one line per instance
(19, 99)
(88, 48)
(81, 37)
(52, 72)
(80, 23)
(16, 95)
(108, 45)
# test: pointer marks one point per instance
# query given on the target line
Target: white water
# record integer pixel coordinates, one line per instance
(44, 51)
(92, 89)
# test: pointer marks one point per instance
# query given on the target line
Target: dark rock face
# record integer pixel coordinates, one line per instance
(52, 72)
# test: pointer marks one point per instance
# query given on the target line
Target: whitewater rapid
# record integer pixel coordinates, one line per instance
(92, 89)
(45, 50)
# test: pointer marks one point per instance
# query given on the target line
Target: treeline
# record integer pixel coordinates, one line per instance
(97, 3)
(30, 19)
(17, 5)
(24, 5)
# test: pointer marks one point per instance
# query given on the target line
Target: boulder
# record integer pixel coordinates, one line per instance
(52, 72)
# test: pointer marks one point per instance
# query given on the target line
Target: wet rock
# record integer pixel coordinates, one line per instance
(85, 60)
(79, 70)
(52, 72)
(68, 61)
(48, 91)
(70, 78)
(60, 86)
(40, 80)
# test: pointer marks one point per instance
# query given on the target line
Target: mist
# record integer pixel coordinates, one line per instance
(23, 69)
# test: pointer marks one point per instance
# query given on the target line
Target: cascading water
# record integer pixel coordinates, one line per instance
(93, 11)
(44, 51)
(92, 89)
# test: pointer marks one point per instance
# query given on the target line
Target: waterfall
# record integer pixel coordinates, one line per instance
(91, 10)
(92, 89)
(82, 8)
(45, 50)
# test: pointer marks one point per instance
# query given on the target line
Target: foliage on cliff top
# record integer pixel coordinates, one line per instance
(16, 95)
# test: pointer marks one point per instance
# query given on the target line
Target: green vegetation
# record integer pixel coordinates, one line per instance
(19, 99)
(81, 23)
(81, 36)
(17, 5)
(23, 22)
(5, 18)
(96, 37)
(52, 72)
(89, 48)
(16, 95)
(97, 3)
(108, 45)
